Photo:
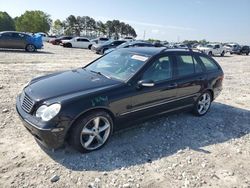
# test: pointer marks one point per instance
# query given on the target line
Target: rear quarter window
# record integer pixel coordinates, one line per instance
(208, 63)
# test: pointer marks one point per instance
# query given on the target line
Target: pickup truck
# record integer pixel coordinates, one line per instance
(213, 49)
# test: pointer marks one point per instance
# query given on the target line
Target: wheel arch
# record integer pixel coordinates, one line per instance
(211, 92)
(85, 113)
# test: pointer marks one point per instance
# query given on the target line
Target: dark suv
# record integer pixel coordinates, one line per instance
(240, 50)
(87, 104)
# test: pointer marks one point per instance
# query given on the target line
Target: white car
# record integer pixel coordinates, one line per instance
(45, 37)
(128, 39)
(77, 42)
(213, 49)
(230, 46)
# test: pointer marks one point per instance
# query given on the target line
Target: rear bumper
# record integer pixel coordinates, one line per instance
(47, 134)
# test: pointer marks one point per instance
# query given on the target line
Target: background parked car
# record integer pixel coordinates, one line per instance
(101, 48)
(45, 37)
(128, 39)
(213, 49)
(241, 50)
(18, 40)
(131, 44)
(181, 46)
(230, 46)
(99, 40)
(77, 42)
(58, 40)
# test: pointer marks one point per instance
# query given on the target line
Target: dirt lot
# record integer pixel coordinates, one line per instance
(174, 151)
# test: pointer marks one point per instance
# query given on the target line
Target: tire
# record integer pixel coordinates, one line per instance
(89, 47)
(222, 54)
(247, 53)
(68, 45)
(30, 48)
(203, 104)
(89, 134)
(231, 53)
(103, 51)
(210, 54)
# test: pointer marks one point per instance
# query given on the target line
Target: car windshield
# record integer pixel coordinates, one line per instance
(125, 44)
(107, 42)
(121, 65)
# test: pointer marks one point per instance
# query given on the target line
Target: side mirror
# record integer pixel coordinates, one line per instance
(145, 83)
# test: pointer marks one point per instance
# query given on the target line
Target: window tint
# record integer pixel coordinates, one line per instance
(118, 42)
(209, 64)
(217, 46)
(104, 39)
(185, 65)
(159, 70)
(197, 66)
(83, 40)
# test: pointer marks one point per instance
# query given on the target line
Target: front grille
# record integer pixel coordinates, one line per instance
(27, 103)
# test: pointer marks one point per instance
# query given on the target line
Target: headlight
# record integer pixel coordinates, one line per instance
(46, 113)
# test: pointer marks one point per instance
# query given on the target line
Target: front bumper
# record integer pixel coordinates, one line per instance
(47, 134)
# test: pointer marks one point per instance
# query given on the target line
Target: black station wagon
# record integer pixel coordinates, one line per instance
(86, 105)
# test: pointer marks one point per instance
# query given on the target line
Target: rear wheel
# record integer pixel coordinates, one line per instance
(68, 45)
(30, 48)
(203, 104)
(91, 132)
(210, 53)
(247, 53)
(103, 51)
(89, 47)
(222, 54)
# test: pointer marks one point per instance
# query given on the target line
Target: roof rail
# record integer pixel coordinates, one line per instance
(184, 49)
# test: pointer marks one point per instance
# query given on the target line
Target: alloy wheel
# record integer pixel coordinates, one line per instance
(204, 103)
(95, 133)
(31, 48)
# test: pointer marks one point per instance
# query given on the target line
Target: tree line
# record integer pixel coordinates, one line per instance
(39, 21)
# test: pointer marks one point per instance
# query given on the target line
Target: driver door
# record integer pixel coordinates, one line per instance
(154, 99)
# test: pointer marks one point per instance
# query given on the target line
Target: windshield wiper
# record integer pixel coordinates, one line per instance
(100, 74)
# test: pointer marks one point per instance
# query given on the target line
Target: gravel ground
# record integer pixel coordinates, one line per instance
(178, 150)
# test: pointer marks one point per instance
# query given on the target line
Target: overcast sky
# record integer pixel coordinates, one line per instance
(214, 20)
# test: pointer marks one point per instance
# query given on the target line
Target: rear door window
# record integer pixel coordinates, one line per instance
(185, 65)
(208, 63)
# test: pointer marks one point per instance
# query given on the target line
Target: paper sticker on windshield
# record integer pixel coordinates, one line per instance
(139, 57)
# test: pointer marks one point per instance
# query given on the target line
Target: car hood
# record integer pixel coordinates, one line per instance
(204, 48)
(65, 41)
(67, 83)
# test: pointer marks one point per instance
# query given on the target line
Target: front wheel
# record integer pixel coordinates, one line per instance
(247, 53)
(30, 48)
(68, 45)
(91, 132)
(210, 54)
(203, 104)
(222, 54)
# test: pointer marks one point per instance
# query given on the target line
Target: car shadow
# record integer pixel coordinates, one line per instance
(23, 51)
(160, 137)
